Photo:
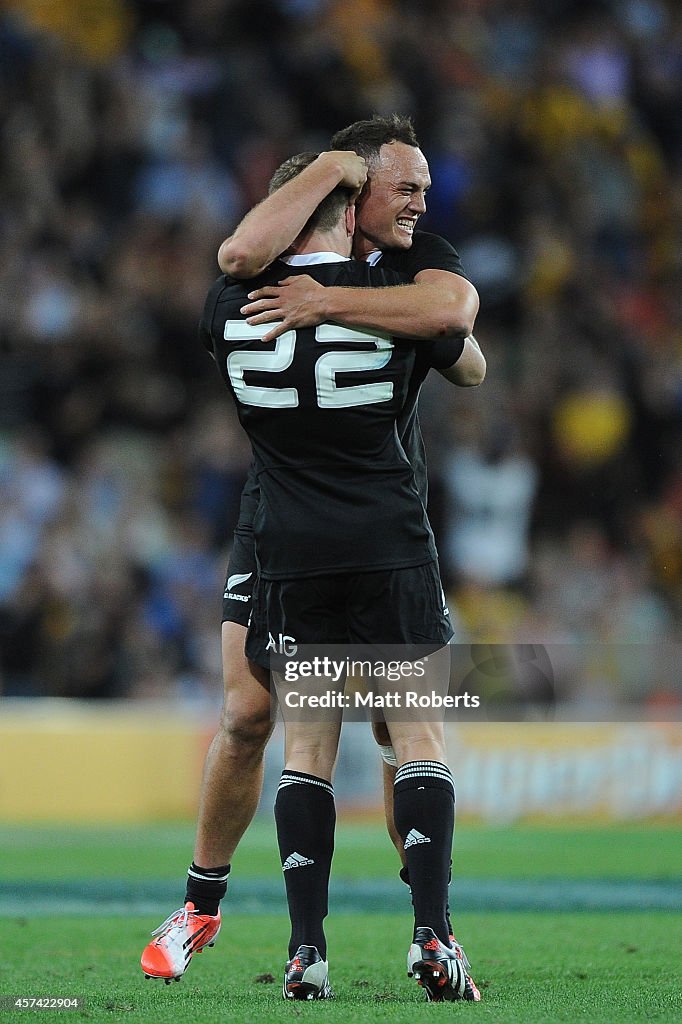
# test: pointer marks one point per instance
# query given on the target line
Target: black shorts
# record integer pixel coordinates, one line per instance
(240, 579)
(388, 607)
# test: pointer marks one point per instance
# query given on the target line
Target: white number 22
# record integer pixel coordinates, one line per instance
(329, 396)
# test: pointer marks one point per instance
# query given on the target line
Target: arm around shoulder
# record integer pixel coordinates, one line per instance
(437, 304)
(449, 305)
(272, 226)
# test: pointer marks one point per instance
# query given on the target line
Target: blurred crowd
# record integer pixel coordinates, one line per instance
(136, 133)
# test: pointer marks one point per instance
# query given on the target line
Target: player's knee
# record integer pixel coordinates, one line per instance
(246, 726)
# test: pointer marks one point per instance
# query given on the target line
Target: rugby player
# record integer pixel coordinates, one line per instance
(398, 178)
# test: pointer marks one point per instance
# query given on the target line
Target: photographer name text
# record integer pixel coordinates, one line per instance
(391, 699)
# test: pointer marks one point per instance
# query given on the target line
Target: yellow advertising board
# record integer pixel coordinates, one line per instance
(71, 761)
(507, 771)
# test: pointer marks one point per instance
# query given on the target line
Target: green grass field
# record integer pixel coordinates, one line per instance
(612, 957)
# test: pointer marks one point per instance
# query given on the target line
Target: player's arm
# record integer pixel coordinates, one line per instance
(270, 228)
(469, 370)
(459, 360)
(438, 303)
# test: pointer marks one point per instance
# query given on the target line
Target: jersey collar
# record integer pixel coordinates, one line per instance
(305, 259)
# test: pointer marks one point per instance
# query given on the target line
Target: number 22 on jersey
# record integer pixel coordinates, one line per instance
(329, 394)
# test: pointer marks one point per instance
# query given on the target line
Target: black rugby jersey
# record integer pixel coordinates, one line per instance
(337, 492)
(428, 251)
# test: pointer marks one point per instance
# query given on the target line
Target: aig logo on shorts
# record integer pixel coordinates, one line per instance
(283, 645)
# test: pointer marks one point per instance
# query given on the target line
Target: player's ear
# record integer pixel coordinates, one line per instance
(350, 220)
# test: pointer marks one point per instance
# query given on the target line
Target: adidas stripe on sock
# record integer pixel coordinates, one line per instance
(431, 770)
(424, 812)
(305, 816)
(206, 887)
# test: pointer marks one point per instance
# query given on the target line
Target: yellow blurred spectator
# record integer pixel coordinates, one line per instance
(489, 614)
(99, 29)
(357, 24)
(591, 426)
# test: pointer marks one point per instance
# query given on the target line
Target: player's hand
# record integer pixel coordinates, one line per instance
(354, 167)
(296, 302)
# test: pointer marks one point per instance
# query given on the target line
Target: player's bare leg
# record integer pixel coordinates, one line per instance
(388, 780)
(233, 770)
(383, 739)
(417, 741)
(312, 747)
(230, 790)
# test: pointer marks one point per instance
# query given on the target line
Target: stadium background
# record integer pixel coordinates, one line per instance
(134, 136)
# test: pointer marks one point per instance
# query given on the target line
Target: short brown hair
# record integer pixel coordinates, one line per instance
(367, 137)
(327, 214)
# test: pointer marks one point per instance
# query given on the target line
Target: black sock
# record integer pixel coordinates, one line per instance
(306, 817)
(206, 887)
(424, 812)
(405, 877)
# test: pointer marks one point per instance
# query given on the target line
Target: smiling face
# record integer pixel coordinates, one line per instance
(393, 199)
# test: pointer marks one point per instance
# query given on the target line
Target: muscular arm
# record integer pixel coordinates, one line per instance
(438, 303)
(271, 227)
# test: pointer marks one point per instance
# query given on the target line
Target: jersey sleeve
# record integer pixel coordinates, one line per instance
(444, 352)
(427, 252)
(206, 322)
